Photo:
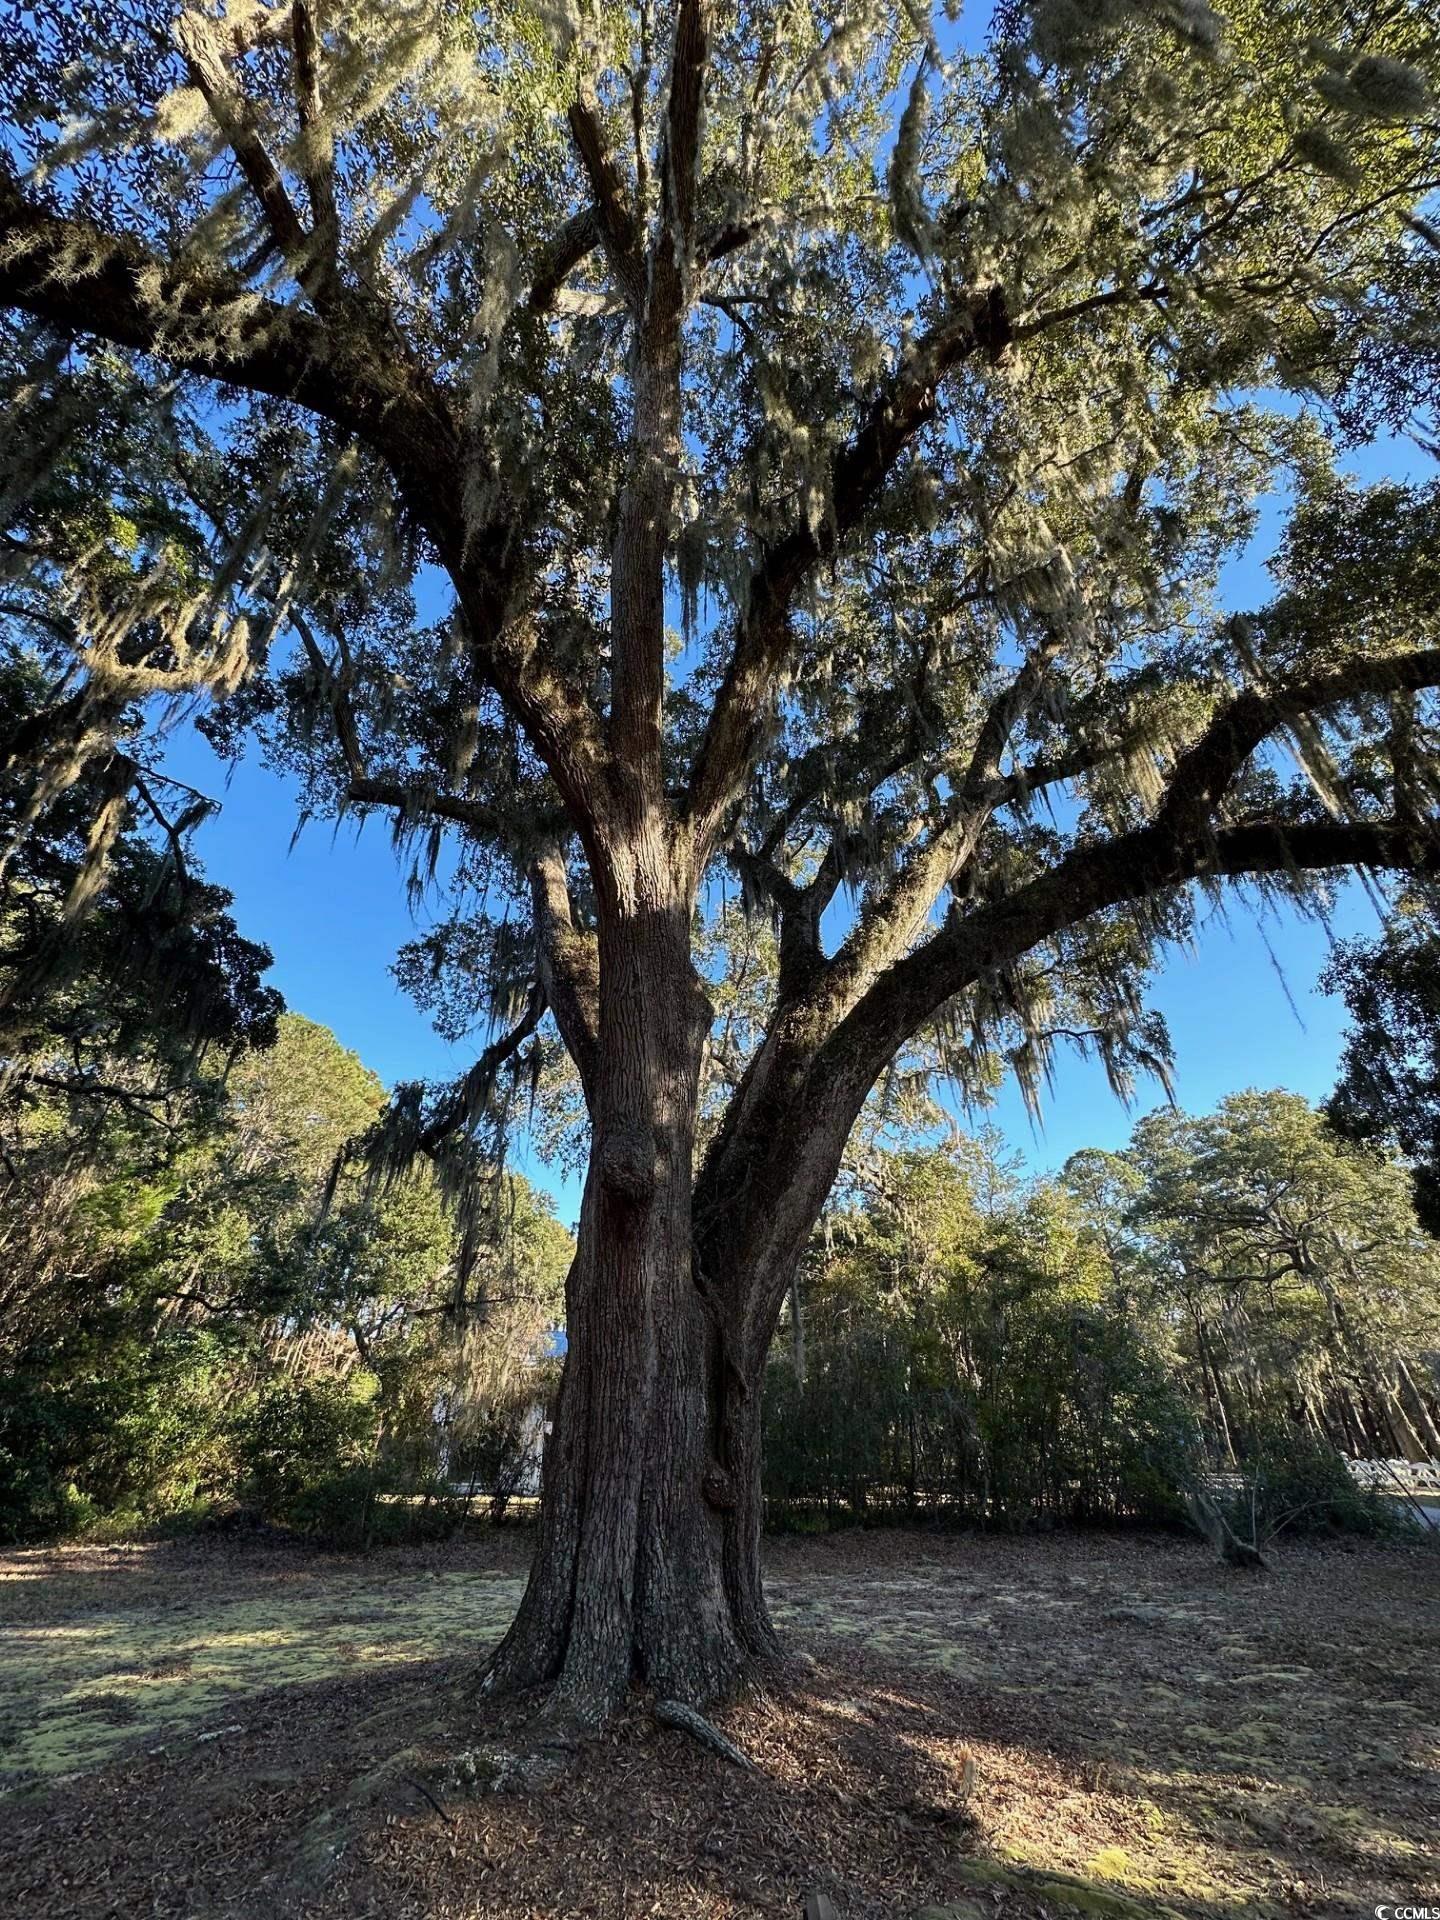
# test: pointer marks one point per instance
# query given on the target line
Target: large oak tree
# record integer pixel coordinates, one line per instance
(663, 447)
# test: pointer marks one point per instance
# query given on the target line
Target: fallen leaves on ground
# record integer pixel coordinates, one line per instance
(1114, 1725)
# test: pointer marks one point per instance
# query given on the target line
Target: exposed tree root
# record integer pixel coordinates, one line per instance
(492, 1768)
(674, 1713)
(317, 1850)
(534, 1756)
(437, 1769)
(425, 1794)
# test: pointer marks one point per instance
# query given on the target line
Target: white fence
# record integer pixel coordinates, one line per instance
(1396, 1476)
(1418, 1478)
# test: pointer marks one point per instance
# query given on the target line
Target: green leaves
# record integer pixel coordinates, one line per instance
(186, 1325)
(983, 354)
(1388, 1091)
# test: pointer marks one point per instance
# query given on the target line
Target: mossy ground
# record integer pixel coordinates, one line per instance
(172, 1658)
(1119, 1726)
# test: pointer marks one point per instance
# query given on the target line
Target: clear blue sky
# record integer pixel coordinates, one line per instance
(1243, 1008)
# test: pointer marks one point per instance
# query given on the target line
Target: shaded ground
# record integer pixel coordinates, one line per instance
(1173, 1735)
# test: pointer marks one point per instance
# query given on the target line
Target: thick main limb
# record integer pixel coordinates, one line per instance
(84, 280)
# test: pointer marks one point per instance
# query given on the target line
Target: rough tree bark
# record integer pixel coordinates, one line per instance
(647, 1565)
(630, 1575)
(648, 1560)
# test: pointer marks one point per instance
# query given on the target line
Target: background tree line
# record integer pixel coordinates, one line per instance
(190, 1332)
(1241, 1293)
(195, 1336)
(198, 1314)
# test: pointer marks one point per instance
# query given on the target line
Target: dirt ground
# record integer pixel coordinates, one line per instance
(1020, 1728)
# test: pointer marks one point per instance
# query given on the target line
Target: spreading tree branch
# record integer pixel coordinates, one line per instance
(574, 242)
(198, 38)
(614, 212)
(1182, 829)
(1205, 771)
(83, 280)
(317, 149)
(1088, 880)
(1180, 844)
(763, 639)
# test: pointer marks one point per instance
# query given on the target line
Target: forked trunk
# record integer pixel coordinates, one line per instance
(647, 1565)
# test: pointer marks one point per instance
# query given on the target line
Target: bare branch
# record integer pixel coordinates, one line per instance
(1006, 710)
(338, 695)
(317, 147)
(417, 801)
(1152, 293)
(466, 1102)
(199, 41)
(619, 227)
(81, 1086)
(731, 237)
(679, 169)
(887, 925)
(575, 241)
(1205, 770)
(797, 908)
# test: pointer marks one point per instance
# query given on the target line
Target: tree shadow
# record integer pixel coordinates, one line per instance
(1077, 1759)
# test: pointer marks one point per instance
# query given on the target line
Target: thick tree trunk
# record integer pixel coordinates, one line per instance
(648, 1561)
(647, 1567)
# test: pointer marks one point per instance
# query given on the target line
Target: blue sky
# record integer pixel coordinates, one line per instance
(1243, 1007)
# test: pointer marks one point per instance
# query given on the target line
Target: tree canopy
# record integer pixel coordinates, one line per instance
(976, 359)
(1291, 1264)
(781, 450)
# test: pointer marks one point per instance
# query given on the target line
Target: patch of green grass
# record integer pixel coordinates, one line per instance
(1063, 1890)
(141, 1676)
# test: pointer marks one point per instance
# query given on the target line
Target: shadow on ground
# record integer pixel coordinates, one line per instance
(1117, 1726)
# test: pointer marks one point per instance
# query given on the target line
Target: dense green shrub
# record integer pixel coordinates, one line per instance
(313, 1457)
(36, 1429)
(1295, 1482)
(101, 1421)
(306, 1447)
